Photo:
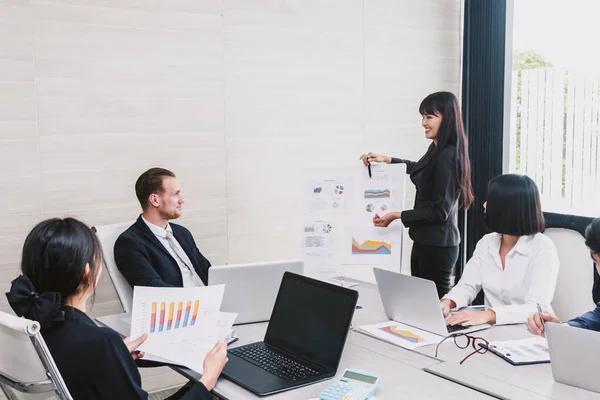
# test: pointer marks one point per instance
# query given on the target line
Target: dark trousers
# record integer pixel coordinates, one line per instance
(434, 263)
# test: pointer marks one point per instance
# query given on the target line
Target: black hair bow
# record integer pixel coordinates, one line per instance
(26, 302)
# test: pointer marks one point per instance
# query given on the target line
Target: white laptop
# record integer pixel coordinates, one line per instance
(415, 302)
(251, 289)
(574, 355)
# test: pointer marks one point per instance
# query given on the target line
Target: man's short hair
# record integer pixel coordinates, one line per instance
(592, 236)
(150, 182)
(513, 206)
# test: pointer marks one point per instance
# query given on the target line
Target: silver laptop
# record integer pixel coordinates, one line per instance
(574, 355)
(415, 302)
(251, 289)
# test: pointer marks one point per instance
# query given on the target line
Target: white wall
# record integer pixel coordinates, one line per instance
(236, 97)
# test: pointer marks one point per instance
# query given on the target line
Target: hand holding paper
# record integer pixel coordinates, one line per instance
(182, 325)
(214, 362)
(133, 344)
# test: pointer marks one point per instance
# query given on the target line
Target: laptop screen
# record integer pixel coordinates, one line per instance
(311, 319)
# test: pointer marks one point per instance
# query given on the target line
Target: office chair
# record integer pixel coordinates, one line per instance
(575, 285)
(108, 234)
(27, 369)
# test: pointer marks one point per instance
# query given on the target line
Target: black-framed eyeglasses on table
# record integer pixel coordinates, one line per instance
(463, 340)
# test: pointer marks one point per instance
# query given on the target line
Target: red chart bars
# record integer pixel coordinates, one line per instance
(181, 320)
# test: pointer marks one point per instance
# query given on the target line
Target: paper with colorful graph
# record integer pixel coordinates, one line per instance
(338, 236)
(182, 324)
(370, 245)
(400, 334)
(381, 193)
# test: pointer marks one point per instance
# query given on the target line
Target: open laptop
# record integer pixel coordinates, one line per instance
(251, 289)
(574, 355)
(415, 302)
(304, 340)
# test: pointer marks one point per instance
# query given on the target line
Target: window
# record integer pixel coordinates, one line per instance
(555, 102)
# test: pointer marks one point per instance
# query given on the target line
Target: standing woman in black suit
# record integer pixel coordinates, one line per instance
(61, 265)
(443, 181)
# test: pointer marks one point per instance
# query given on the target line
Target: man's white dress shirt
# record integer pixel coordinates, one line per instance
(188, 273)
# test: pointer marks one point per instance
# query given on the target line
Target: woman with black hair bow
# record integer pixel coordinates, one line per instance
(516, 265)
(61, 265)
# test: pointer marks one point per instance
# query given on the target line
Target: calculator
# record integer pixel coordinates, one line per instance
(353, 385)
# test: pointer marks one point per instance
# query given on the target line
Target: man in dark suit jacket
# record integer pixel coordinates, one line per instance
(153, 251)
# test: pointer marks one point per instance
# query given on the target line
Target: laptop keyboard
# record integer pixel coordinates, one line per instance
(456, 328)
(273, 362)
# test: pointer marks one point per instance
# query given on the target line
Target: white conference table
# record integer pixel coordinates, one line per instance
(401, 371)
(416, 374)
(491, 374)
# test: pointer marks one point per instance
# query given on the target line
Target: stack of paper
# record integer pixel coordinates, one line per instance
(182, 324)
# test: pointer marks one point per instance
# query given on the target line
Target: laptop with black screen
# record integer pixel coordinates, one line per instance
(304, 340)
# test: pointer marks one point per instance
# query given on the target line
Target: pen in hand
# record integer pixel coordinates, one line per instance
(541, 317)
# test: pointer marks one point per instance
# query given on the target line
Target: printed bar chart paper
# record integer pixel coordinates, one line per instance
(182, 324)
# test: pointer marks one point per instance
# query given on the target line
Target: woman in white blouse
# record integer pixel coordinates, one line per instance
(516, 265)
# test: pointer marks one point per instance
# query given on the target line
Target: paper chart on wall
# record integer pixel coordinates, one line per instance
(382, 192)
(338, 198)
(370, 245)
(319, 237)
(331, 195)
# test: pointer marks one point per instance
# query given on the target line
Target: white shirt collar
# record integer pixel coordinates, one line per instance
(523, 245)
(157, 230)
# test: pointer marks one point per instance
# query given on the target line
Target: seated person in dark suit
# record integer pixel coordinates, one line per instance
(591, 319)
(153, 251)
(61, 266)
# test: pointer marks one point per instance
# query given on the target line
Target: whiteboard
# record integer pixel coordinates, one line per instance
(338, 235)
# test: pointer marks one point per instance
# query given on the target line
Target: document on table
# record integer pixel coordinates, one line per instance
(522, 352)
(182, 324)
(342, 281)
(400, 334)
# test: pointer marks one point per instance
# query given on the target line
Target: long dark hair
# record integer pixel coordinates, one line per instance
(514, 206)
(55, 254)
(451, 133)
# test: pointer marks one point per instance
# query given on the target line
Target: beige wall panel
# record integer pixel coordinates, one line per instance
(238, 97)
